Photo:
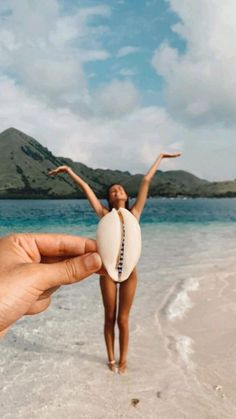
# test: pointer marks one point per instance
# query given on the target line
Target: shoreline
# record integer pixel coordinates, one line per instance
(82, 198)
(201, 342)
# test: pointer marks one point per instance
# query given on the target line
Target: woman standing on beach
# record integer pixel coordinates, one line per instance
(117, 308)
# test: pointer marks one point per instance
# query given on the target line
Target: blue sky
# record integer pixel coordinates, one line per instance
(113, 84)
(144, 27)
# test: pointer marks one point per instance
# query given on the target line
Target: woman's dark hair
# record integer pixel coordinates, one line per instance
(107, 196)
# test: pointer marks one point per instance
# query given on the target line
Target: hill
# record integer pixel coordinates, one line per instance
(25, 164)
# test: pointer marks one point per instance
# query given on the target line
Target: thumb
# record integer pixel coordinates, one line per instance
(70, 270)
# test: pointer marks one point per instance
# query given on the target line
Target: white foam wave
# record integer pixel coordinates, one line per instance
(184, 346)
(177, 307)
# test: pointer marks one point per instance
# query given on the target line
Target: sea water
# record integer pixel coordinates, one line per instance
(53, 364)
(66, 215)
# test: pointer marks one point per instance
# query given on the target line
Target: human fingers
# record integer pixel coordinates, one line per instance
(29, 247)
(59, 169)
(42, 302)
(66, 272)
(176, 154)
(101, 271)
(48, 293)
(53, 172)
(170, 155)
(62, 245)
(38, 306)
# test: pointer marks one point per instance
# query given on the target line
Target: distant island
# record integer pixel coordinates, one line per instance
(25, 163)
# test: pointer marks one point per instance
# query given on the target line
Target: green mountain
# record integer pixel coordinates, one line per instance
(25, 163)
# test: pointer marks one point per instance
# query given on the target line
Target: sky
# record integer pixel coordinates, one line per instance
(112, 84)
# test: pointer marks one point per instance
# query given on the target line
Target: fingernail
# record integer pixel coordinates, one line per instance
(92, 261)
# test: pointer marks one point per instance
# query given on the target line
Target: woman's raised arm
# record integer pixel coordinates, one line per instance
(93, 200)
(138, 206)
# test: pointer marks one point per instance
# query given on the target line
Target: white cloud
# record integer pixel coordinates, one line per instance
(127, 50)
(46, 49)
(200, 82)
(99, 142)
(130, 142)
(116, 98)
(100, 10)
(94, 55)
(44, 89)
(127, 72)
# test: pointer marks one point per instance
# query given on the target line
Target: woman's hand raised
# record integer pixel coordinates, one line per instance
(169, 155)
(60, 169)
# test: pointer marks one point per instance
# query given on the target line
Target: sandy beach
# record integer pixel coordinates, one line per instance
(182, 341)
(201, 343)
(210, 326)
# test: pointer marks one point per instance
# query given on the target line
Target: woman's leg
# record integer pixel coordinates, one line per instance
(126, 296)
(109, 292)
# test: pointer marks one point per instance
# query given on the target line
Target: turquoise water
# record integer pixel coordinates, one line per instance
(72, 216)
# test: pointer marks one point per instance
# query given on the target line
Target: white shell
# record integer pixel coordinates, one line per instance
(109, 240)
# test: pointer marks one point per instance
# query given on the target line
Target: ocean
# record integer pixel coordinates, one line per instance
(54, 364)
(66, 216)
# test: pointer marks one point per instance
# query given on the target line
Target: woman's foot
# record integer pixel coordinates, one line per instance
(122, 367)
(112, 365)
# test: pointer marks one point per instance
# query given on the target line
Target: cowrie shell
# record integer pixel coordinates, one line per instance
(119, 243)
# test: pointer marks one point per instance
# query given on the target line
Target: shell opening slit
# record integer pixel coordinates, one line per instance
(120, 257)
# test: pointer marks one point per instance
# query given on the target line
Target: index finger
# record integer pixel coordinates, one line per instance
(63, 245)
(32, 247)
